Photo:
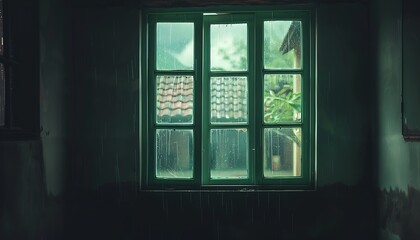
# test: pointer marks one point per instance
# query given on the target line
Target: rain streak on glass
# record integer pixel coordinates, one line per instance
(174, 99)
(282, 152)
(175, 46)
(229, 153)
(229, 99)
(228, 47)
(174, 153)
(282, 44)
(282, 98)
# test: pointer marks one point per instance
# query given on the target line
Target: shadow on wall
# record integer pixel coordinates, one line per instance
(22, 187)
(400, 213)
(116, 211)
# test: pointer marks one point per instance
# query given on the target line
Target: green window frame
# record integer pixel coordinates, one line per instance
(202, 84)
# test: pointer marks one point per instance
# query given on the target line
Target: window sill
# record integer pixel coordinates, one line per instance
(231, 188)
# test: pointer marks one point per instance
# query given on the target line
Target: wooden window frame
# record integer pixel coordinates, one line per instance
(255, 17)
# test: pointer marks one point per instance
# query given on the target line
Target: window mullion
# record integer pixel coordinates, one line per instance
(198, 81)
(259, 98)
(205, 169)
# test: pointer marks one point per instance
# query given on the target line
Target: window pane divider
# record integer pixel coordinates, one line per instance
(282, 125)
(227, 126)
(175, 72)
(283, 71)
(174, 126)
(229, 74)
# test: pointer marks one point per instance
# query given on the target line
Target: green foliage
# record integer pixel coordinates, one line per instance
(283, 106)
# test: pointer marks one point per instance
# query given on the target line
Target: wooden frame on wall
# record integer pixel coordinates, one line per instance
(410, 70)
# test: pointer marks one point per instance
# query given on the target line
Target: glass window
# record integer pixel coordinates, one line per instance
(174, 46)
(231, 103)
(228, 47)
(282, 152)
(174, 153)
(282, 98)
(282, 44)
(229, 99)
(229, 153)
(174, 99)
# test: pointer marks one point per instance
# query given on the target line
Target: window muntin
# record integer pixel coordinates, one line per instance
(235, 142)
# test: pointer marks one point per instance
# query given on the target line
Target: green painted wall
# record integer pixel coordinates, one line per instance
(398, 162)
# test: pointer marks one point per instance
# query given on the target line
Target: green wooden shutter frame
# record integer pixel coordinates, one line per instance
(255, 75)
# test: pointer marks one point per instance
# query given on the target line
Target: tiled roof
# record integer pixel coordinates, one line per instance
(175, 94)
(228, 99)
(175, 99)
(292, 38)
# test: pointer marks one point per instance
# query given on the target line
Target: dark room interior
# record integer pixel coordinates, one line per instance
(73, 141)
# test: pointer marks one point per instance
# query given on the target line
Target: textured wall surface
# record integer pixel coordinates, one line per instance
(398, 161)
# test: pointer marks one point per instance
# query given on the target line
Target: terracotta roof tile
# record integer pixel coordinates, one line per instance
(174, 99)
(175, 96)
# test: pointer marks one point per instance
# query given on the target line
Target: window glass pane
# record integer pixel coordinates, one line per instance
(175, 46)
(282, 152)
(282, 44)
(228, 47)
(2, 95)
(229, 99)
(174, 99)
(229, 153)
(174, 153)
(282, 98)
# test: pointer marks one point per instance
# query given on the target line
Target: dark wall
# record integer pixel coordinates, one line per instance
(32, 171)
(343, 92)
(105, 92)
(398, 161)
(21, 168)
(81, 180)
(22, 190)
